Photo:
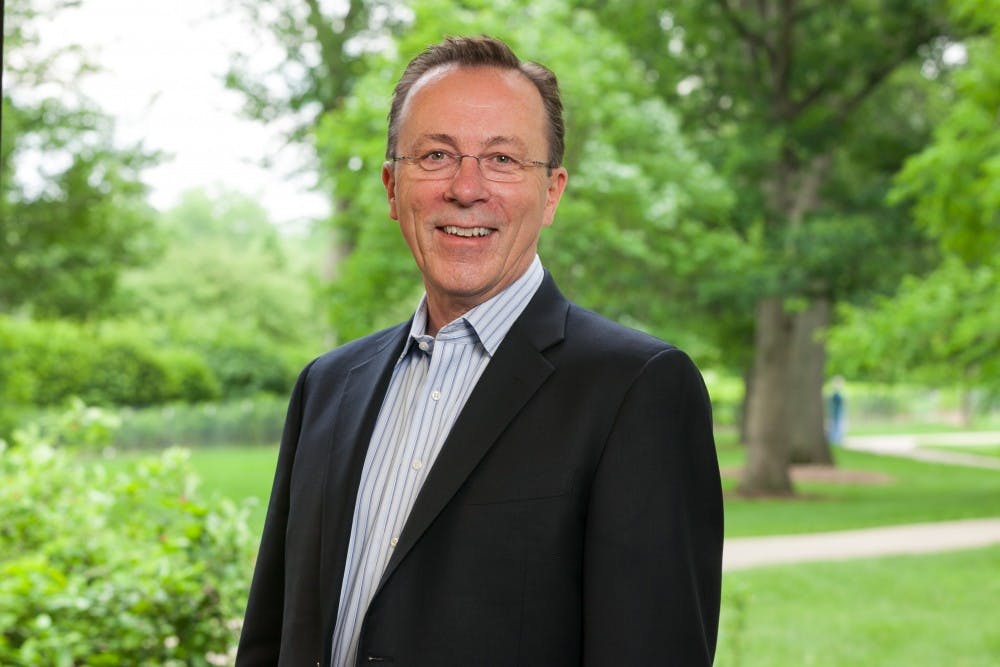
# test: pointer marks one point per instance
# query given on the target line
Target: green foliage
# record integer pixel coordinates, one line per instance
(77, 426)
(941, 329)
(944, 327)
(227, 273)
(227, 311)
(126, 568)
(45, 363)
(807, 111)
(231, 290)
(325, 48)
(954, 184)
(72, 205)
(249, 367)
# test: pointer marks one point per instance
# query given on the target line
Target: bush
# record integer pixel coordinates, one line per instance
(191, 377)
(46, 363)
(248, 367)
(108, 565)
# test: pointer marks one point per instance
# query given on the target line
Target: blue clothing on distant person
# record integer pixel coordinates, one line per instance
(835, 433)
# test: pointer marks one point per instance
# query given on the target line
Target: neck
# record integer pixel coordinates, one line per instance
(438, 315)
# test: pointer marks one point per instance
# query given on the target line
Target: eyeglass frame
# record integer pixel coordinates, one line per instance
(523, 165)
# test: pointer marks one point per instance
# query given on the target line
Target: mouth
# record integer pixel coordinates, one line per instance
(466, 232)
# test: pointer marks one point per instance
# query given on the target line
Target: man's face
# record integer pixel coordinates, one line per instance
(471, 237)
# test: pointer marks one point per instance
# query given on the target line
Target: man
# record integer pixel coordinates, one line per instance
(507, 479)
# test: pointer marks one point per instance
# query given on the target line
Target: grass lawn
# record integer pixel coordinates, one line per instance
(918, 611)
(916, 491)
(238, 473)
(982, 450)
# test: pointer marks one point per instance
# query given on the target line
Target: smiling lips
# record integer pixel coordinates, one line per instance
(467, 231)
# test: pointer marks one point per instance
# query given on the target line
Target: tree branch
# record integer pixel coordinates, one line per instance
(751, 37)
(878, 74)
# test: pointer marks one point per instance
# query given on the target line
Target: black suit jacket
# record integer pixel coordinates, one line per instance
(573, 515)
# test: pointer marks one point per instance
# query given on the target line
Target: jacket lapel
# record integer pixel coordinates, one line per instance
(515, 373)
(355, 415)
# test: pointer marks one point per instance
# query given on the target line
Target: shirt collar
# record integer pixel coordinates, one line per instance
(490, 320)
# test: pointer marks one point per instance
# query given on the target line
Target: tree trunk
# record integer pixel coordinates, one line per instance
(808, 362)
(768, 445)
(744, 405)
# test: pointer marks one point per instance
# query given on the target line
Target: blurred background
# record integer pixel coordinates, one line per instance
(803, 195)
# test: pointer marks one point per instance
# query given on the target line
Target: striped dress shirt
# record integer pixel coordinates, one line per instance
(430, 384)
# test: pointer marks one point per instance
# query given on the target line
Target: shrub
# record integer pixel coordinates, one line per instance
(191, 378)
(44, 363)
(130, 373)
(110, 565)
(248, 367)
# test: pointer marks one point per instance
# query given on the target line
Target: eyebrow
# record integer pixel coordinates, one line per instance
(491, 142)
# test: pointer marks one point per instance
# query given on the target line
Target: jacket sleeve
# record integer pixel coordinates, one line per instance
(653, 545)
(260, 638)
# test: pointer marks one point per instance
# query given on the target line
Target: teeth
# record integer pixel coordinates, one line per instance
(465, 231)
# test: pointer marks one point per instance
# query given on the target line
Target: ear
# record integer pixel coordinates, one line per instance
(556, 187)
(389, 181)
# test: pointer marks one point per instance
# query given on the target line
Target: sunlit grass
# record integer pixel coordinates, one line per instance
(982, 450)
(918, 611)
(917, 492)
(238, 473)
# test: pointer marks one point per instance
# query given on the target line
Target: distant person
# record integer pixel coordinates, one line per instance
(507, 478)
(835, 434)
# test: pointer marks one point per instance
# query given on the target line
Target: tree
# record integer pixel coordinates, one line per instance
(232, 288)
(953, 183)
(807, 108)
(941, 329)
(945, 327)
(326, 48)
(72, 205)
(226, 272)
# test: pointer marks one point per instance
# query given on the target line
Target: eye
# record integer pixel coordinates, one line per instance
(502, 161)
(435, 156)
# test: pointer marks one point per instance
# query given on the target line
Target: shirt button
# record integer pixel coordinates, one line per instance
(393, 542)
(436, 395)
(417, 465)
(423, 345)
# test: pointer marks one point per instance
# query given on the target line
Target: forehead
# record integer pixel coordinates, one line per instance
(474, 105)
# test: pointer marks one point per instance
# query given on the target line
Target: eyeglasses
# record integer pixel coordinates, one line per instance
(442, 165)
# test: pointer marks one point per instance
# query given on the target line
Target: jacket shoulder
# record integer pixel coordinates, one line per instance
(589, 330)
(343, 358)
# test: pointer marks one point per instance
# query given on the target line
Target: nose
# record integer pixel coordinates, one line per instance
(468, 185)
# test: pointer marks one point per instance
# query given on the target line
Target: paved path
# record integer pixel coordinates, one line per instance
(746, 552)
(915, 447)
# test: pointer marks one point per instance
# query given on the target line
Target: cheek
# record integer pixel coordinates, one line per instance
(408, 203)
